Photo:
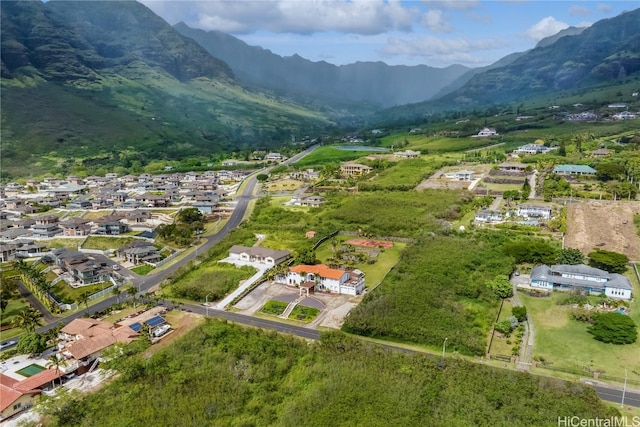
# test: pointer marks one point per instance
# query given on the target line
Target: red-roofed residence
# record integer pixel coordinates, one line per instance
(326, 278)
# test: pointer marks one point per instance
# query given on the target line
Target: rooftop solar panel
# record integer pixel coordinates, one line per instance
(136, 326)
(155, 321)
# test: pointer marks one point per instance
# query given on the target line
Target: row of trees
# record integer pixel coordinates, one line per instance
(36, 282)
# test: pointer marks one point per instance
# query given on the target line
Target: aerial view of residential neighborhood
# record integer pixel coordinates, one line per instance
(196, 231)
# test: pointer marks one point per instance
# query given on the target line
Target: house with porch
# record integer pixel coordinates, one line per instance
(46, 226)
(259, 254)
(321, 277)
(111, 225)
(581, 278)
(527, 211)
(354, 169)
(75, 227)
(488, 217)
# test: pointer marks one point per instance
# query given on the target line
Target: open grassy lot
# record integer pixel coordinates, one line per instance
(142, 269)
(328, 154)
(438, 144)
(404, 174)
(71, 243)
(566, 344)
(210, 278)
(282, 185)
(104, 243)
(95, 214)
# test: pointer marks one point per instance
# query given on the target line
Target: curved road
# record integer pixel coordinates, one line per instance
(612, 394)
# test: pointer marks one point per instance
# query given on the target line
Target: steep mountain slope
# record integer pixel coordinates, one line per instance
(99, 79)
(608, 50)
(363, 82)
(606, 53)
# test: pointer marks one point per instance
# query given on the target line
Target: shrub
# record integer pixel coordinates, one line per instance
(614, 327)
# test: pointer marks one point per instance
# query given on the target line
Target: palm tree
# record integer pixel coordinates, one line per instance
(84, 299)
(116, 293)
(132, 292)
(56, 363)
(28, 319)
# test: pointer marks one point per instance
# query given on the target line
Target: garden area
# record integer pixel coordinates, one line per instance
(562, 342)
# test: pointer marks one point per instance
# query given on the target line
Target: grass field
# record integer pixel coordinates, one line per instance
(282, 185)
(103, 243)
(142, 269)
(328, 154)
(71, 243)
(566, 344)
(15, 306)
(69, 295)
(95, 214)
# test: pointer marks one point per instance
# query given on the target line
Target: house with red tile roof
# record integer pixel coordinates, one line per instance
(18, 395)
(325, 278)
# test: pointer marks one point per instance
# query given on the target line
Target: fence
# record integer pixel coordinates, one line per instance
(324, 239)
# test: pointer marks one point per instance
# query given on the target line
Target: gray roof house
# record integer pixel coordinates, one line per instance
(258, 254)
(581, 277)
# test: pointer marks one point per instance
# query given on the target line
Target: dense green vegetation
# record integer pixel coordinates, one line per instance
(224, 375)
(614, 327)
(431, 295)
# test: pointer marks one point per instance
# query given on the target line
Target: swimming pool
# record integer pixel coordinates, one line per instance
(31, 370)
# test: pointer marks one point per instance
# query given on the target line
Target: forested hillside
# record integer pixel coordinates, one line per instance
(225, 375)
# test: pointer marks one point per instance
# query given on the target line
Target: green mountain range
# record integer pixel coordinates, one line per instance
(112, 82)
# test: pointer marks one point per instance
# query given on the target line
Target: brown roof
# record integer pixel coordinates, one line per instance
(8, 392)
(319, 269)
(88, 346)
(38, 380)
(87, 327)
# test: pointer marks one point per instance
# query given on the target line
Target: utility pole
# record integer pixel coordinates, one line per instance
(624, 389)
(444, 346)
(206, 304)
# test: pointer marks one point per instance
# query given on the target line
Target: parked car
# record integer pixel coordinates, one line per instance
(8, 344)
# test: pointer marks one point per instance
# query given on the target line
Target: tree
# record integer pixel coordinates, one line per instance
(262, 177)
(8, 287)
(570, 256)
(190, 215)
(614, 328)
(530, 250)
(519, 312)
(32, 343)
(306, 256)
(55, 363)
(83, 298)
(610, 261)
(28, 319)
(501, 286)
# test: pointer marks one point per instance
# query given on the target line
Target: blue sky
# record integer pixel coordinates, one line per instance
(436, 33)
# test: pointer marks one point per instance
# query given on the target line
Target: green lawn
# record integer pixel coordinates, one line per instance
(104, 243)
(274, 308)
(304, 314)
(565, 343)
(142, 269)
(328, 154)
(15, 306)
(70, 295)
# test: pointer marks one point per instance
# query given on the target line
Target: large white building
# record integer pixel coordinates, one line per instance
(323, 278)
(581, 277)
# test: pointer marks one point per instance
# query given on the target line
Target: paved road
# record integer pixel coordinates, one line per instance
(632, 398)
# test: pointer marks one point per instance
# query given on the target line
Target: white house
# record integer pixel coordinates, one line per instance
(581, 277)
(462, 175)
(486, 132)
(323, 278)
(408, 154)
(258, 254)
(489, 217)
(534, 211)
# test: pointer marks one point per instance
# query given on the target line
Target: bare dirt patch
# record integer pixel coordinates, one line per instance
(604, 224)
(181, 323)
(439, 181)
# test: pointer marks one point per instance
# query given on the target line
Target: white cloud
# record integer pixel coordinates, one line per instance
(286, 16)
(442, 50)
(579, 11)
(434, 21)
(544, 28)
(604, 8)
(452, 4)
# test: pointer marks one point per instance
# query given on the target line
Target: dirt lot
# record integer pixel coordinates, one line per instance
(604, 224)
(438, 180)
